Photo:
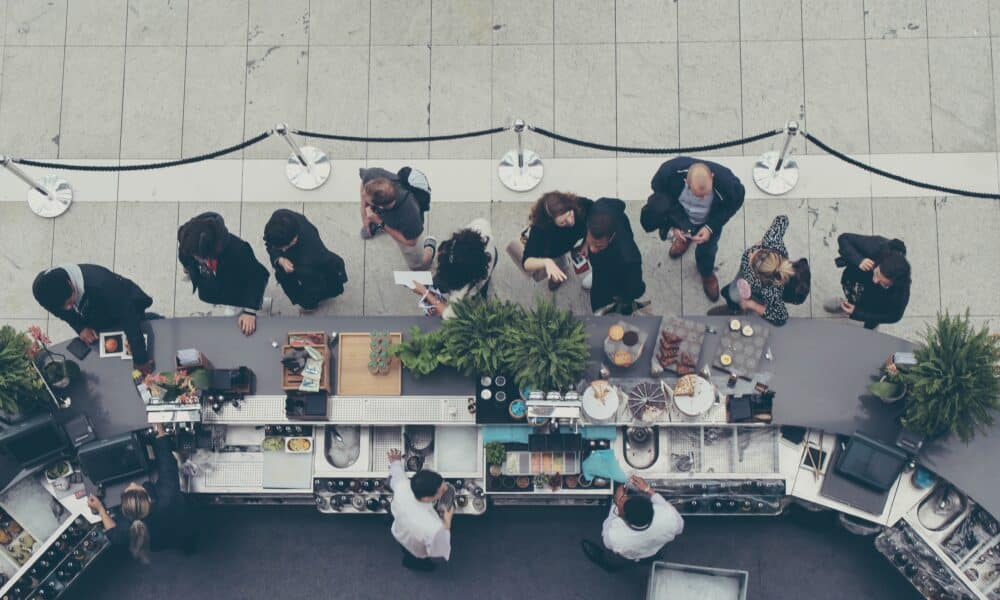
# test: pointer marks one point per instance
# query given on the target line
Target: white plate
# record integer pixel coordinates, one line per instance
(704, 397)
(597, 410)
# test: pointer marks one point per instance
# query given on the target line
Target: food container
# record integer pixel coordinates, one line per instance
(298, 445)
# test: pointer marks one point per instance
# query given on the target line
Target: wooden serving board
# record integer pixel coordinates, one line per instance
(353, 378)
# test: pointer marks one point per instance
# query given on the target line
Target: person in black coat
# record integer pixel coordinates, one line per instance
(306, 270)
(614, 258)
(694, 199)
(222, 267)
(153, 516)
(876, 280)
(92, 299)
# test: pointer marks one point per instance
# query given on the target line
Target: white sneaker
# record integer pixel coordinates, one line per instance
(588, 280)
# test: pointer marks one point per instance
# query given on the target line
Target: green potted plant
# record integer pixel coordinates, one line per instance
(21, 387)
(58, 371)
(888, 388)
(955, 385)
(475, 339)
(547, 348)
(57, 474)
(422, 353)
(496, 454)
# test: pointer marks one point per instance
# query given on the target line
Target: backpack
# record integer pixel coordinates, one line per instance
(416, 182)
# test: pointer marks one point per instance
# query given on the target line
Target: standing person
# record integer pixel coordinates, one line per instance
(614, 259)
(764, 272)
(154, 516)
(92, 299)
(558, 223)
(423, 534)
(222, 267)
(390, 203)
(465, 264)
(876, 280)
(693, 199)
(306, 270)
(636, 529)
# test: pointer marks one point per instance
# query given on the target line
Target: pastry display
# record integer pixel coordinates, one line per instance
(647, 402)
(735, 325)
(622, 358)
(747, 330)
(624, 344)
(678, 346)
(616, 333)
(686, 385)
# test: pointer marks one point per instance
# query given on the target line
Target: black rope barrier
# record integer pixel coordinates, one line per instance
(894, 177)
(427, 138)
(683, 150)
(146, 166)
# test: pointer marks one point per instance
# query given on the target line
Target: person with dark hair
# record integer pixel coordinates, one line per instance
(465, 263)
(638, 525)
(305, 268)
(557, 225)
(222, 267)
(614, 259)
(153, 516)
(693, 200)
(390, 202)
(423, 534)
(876, 280)
(797, 289)
(92, 299)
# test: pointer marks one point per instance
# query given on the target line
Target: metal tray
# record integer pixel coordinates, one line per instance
(747, 352)
(694, 337)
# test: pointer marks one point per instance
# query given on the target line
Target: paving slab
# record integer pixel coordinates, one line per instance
(145, 246)
(339, 22)
(706, 115)
(214, 180)
(994, 17)
(735, 236)
(214, 98)
(29, 110)
(81, 235)
(276, 92)
(645, 21)
(974, 171)
(157, 23)
(459, 22)
(963, 113)
(827, 220)
(760, 214)
(338, 98)
(969, 251)
(584, 97)
(186, 302)
(399, 99)
(833, 19)
(218, 22)
(33, 23)
(635, 176)
(958, 18)
(460, 98)
(914, 220)
(381, 295)
(836, 95)
(400, 22)
(252, 221)
(96, 23)
(584, 21)
(769, 101)
(90, 124)
(265, 181)
(523, 21)
(647, 95)
(995, 53)
(153, 108)
(25, 248)
(898, 96)
(662, 275)
(708, 21)
(283, 23)
(770, 20)
(338, 228)
(591, 177)
(523, 89)
(891, 19)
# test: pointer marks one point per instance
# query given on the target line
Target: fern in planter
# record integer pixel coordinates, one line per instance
(21, 389)
(422, 353)
(548, 348)
(475, 338)
(954, 386)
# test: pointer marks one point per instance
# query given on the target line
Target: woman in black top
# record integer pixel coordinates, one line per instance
(222, 267)
(876, 280)
(558, 223)
(154, 516)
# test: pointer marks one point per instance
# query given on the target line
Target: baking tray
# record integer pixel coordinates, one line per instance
(353, 378)
(694, 337)
(747, 352)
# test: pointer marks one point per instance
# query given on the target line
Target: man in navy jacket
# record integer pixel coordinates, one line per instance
(693, 199)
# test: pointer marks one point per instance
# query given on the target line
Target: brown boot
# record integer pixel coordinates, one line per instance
(711, 286)
(679, 247)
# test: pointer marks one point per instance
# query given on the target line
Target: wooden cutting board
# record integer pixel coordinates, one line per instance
(353, 378)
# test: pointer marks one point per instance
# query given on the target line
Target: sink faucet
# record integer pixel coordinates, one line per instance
(336, 434)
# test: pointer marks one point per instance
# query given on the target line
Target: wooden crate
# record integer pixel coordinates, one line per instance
(291, 381)
(353, 378)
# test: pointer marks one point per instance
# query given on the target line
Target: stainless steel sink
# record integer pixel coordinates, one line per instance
(944, 505)
(343, 445)
(641, 446)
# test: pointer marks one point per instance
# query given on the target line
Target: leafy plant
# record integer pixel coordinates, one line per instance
(21, 389)
(955, 385)
(422, 353)
(475, 339)
(886, 390)
(496, 453)
(547, 348)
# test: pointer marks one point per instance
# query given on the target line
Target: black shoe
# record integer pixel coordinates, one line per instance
(595, 553)
(151, 316)
(416, 564)
(664, 231)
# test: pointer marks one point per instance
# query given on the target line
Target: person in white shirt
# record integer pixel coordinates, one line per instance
(420, 530)
(637, 528)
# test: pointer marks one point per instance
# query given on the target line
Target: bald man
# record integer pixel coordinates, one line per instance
(693, 199)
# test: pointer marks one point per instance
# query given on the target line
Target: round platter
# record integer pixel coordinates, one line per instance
(600, 409)
(701, 401)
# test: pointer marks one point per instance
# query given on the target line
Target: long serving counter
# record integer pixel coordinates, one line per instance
(819, 370)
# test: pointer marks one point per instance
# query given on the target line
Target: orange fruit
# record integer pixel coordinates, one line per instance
(111, 345)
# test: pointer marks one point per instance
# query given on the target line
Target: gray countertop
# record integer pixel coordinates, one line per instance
(820, 372)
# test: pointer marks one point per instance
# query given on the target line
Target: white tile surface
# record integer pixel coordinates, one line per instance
(154, 102)
(265, 181)
(218, 22)
(976, 172)
(90, 125)
(88, 186)
(591, 177)
(214, 180)
(96, 23)
(157, 23)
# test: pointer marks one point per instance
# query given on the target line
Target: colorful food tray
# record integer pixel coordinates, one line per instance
(537, 463)
(746, 352)
(692, 336)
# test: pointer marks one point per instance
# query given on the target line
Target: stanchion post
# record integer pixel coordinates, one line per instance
(520, 170)
(776, 173)
(47, 198)
(308, 167)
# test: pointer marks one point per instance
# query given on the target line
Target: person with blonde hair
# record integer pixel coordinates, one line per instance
(764, 272)
(152, 516)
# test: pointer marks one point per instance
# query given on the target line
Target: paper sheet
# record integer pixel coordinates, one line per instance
(408, 277)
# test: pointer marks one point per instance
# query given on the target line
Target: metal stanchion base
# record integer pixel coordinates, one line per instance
(520, 179)
(774, 182)
(53, 204)
(313, 176)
